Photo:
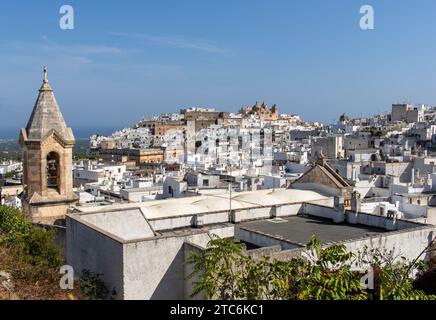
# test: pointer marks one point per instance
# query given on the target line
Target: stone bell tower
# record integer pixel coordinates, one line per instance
(47, 146)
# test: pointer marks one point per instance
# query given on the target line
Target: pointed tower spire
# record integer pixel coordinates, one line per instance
(46, 115)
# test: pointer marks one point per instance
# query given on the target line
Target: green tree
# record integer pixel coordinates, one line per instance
(219, 269)
(10, 174)
(91, 156)
(394, 274)
(12, 223)
(329, 276)
(93, 286)
(28, 242)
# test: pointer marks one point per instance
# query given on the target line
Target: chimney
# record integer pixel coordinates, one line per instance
(233, 217)
(391, 221)
(197, 221)
(355, 202)
(352, 216)
(273, 212)
(339, 214)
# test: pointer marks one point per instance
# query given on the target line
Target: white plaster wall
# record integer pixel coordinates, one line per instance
(262, 240)
(171, 223)
(288, 210)
(154, 269)
(405, 243)
(431, 216)
(202, 239)
(219, 217)
(240, 215)
(319, 211)
(329, 202)
(96, 252)
(254, 213)
(189, 249)
(324, 190)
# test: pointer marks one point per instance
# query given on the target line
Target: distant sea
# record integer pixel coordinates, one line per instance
(79, 132)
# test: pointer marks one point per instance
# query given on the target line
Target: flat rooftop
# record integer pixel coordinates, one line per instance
(300, 229)
(210, 202)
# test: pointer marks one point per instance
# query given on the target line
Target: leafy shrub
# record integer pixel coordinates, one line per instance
(37, 248)
(80, 156)
(10, 175)
(13, 221)
(427, 282)
(92, 286)
(29, 243)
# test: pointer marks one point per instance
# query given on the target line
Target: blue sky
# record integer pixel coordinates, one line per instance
(128, 59)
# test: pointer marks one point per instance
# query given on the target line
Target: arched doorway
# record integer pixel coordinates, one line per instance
(52, 171)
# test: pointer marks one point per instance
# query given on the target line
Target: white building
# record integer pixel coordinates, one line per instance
(141, 249)
(103, 174)
(174, 187)
(10, 166)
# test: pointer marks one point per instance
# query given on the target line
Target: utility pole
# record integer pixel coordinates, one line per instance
(230, 197)
(230, 186)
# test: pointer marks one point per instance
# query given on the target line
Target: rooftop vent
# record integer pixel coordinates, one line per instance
(197, 221)
(277, 220)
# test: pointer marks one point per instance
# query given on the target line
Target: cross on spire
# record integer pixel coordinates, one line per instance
(45, 74)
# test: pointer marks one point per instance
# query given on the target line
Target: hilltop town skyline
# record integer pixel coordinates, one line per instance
(310, 59)
(8, 131)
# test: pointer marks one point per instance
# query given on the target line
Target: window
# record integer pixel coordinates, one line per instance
(419, 201)
(52, 171)
(205, 182)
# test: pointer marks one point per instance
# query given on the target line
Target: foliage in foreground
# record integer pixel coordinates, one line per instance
(92, 286)
(30, 282)
(91, 156)
(33, 246)
(28, 242)
(224, 271)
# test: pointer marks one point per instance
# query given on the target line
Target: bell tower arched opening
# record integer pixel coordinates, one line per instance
(53, 171)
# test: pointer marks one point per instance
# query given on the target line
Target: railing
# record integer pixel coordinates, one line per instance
(375, 199)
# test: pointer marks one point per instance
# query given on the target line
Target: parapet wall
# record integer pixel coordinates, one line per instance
(155, 268)
(351, 217)
(235, 216)
(96, 251)
(264, 240)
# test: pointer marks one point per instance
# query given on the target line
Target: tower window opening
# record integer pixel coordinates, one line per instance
(53, 171)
